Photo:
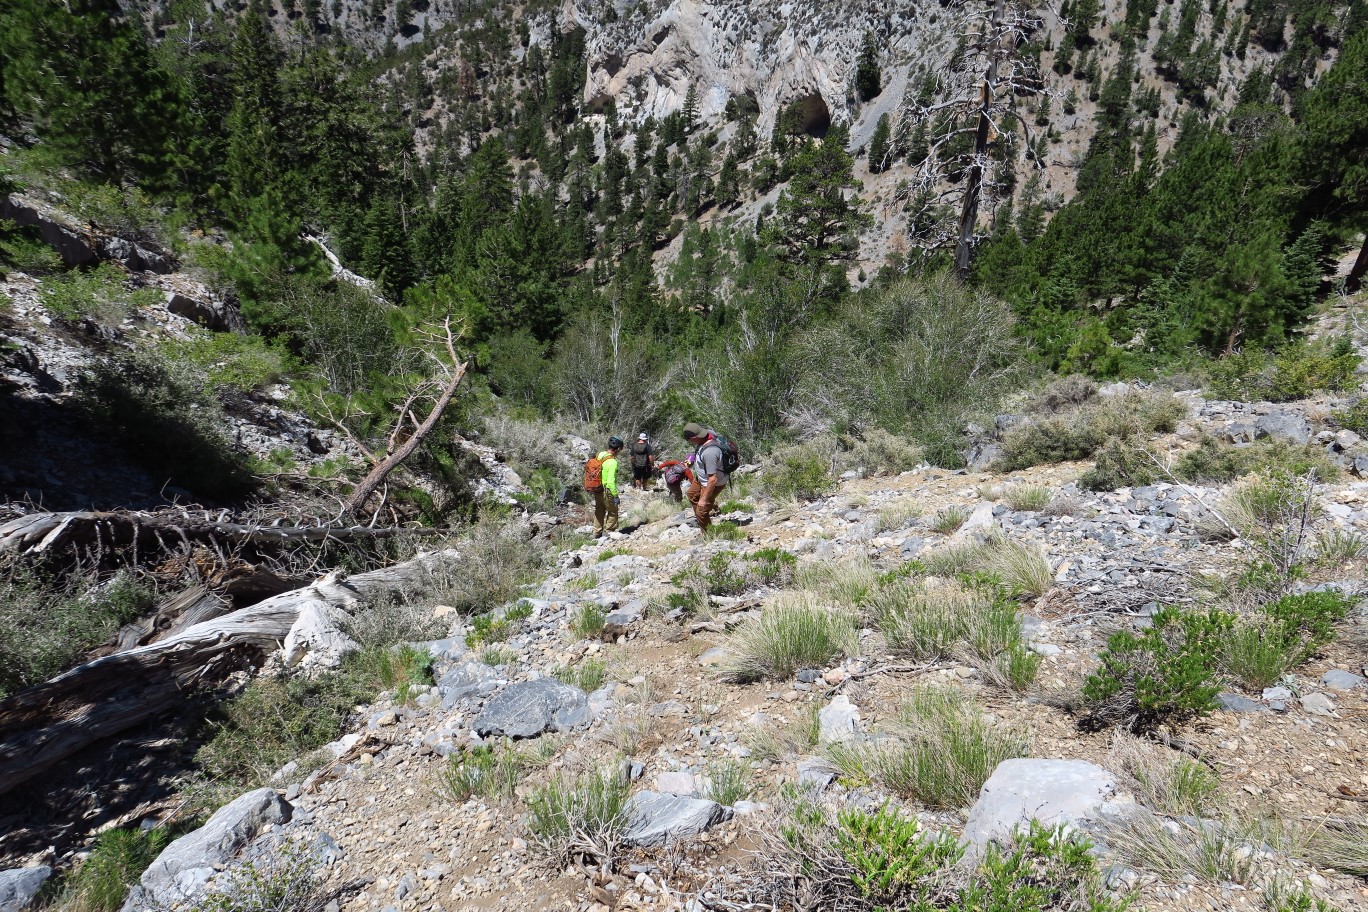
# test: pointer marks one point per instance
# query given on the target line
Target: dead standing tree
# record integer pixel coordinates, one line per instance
(969, 109)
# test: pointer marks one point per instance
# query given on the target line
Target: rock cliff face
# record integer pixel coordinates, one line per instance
(646, 58)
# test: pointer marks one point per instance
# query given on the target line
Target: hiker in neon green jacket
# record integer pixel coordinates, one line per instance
(606, 498)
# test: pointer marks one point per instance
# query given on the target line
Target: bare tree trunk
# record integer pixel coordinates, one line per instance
(44, 725)
(1359, 269)
(969, 212)
(377, 475)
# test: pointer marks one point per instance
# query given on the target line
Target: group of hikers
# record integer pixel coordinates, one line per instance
(706, 471)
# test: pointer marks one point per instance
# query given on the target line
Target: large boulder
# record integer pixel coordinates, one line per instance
(1285, 426)
(527, 709)
(654, 819)
(466, 680)
(1053, 792)
(185, 866)
(135, 258)
(67, 239)
(218, 316)
(20, 886)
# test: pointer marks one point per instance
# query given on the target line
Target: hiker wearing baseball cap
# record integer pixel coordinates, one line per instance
(643, 462)
(715, 458)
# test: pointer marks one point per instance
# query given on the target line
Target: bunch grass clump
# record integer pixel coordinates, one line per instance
(117, 859)
(795, 632)
(843, 583)
(585, 816)
(949, 519)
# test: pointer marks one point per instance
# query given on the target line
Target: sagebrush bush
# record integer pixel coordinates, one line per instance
(1165, 674)
(803, 472)
(586, 815)
(164, 415)
(1213, 461)
(1121, 462)
(47, 624)
(877, 452)
(1063, 395)
(1080, 433)
(793, 633)
(497, 560)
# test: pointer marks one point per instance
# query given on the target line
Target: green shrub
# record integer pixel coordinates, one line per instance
(1312, 615)
(167, 420)
(1168, 784)
(891, 857)
(1122, 462)
(1354, 418)
(98, 294)
(1063, 395)
(117, 859)
(1081, 433)
(1336, 547)
(1213, 461)
(588, 622)
(283, 880)
(1016, 668)
(1275, 513)
(488, 629)
(48, 624)
(802, 472)
(481, 771)
(793, 634)
(497, 560)
(1044, 870)
(1166, 674)
(240, 362)
(494, 656)
(1296, 372)
(878, 452)
(773, 566)
(1021, 567)
(585, 816)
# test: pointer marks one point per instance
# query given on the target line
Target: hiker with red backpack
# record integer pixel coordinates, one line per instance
(643, 462)
(715, 458)
(600, 479)
(675, 472)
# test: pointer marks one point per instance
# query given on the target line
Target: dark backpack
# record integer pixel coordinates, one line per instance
(641, 455)
(731, 456)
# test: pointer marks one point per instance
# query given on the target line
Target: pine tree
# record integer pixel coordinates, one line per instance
(868, 75)
(879, 146)
(817, 223)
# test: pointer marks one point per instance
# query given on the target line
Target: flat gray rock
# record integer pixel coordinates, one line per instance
(1051, 791)
(465, 680)
(654, 819)
(617, 622)
(185, 866)
(1318, 704)
(1231, 702)
(19, 886)
(815, 773)
(527, 709)
(1338, 679)
(1284, 425)
(837, 720)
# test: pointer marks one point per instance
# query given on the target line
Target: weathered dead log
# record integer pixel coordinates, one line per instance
(48, 723)
(183, 610)
(50, 533)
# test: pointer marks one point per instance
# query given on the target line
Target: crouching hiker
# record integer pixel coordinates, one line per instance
(676, 472)
(600, 479)
(715, 458)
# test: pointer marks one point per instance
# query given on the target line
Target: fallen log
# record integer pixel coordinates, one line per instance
(46, 533)
(49, 722)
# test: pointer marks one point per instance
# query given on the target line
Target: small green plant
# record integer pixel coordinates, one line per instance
(878, 452)
(1166, 674)
(773, 566)
(98, 294)
(588, 675)
(949, 519)
(789, 635)
(1118, 463)
(588, 622)
(241, 362)
(519, 612)
(736, 506)
(585, 816)
(117, 859)
(724, 531)
(285, 879)
(1337, 547)
(1027, 498)
(890, 856)
(482, 771)
(1015, 668)
(278, 462)
(584, 582)
(1213, 461)
(611, 553)
(728, 781)
(1211, 851)
(487, 628)
(1168, 784)
(1282, 896)
(1258, 655)
(800, 473)
(494, 656)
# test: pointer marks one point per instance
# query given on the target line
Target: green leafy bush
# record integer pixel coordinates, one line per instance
(1311, 615)
(164, 416)
(891, 857)
(240, 362)
(724, 531)
(1122, 462)
(1166, 674)
(1296, 372)
(802, 472)
(98, 294)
